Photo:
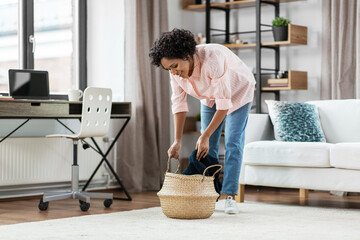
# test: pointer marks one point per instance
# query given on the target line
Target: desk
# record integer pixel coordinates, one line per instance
(46, 109)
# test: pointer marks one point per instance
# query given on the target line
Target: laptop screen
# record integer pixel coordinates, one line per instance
(28, 84)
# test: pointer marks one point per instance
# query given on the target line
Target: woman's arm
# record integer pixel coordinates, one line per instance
(202, 144)
(179, 122)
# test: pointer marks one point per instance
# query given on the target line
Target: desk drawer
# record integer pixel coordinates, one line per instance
(54, 109)
(34, 109)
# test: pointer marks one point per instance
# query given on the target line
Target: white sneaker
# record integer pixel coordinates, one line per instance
(231, 206)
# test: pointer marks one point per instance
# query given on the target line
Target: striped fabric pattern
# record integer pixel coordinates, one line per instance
(219, 77)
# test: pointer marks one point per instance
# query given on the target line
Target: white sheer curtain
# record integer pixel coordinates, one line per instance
(340, 49)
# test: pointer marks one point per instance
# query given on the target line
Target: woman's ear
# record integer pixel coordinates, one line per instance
(187, 58)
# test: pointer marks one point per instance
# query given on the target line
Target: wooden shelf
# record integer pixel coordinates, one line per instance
(297, 81)
(297, 36)
(189, 4)
(241, 45)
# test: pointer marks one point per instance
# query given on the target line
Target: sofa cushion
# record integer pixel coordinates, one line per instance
(258, 128)
(295, 154)
(295, 121)
(345, 155)
(339, 119)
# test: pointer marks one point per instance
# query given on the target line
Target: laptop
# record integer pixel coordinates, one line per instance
(28, 84)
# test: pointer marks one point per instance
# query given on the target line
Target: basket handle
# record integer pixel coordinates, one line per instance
(215, 165)
(168, 165)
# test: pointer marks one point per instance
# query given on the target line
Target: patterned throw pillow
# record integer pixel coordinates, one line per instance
(295, 121)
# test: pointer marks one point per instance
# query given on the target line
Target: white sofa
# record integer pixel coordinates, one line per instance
(333, 166)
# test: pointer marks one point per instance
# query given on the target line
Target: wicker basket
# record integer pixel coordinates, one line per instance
(188, 196)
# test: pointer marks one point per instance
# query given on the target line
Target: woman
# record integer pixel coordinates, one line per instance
(225, 86)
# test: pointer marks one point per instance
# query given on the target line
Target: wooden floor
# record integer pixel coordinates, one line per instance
(20, 210)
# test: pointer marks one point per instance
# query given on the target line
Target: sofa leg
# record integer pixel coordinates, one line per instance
(241, 195)
(303, 193)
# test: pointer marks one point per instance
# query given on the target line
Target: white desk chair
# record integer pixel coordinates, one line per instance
(95, 121)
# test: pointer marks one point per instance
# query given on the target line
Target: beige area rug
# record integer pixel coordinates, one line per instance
(255, 221)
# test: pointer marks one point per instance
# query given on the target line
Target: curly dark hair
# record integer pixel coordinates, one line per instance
(178, 43)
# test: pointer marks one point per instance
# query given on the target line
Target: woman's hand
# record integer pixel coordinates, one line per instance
(174, 150)
(202, 146)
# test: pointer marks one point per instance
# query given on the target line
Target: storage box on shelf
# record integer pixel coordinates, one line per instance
(297, 80)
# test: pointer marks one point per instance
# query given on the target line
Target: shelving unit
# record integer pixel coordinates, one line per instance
(297, 35)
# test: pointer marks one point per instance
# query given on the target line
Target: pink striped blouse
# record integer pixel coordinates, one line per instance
(219, 77)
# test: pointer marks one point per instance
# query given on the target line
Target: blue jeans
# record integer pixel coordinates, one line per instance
(235, 124)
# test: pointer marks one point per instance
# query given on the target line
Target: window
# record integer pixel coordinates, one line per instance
(48, 44)
(8, 40)
(53, 31)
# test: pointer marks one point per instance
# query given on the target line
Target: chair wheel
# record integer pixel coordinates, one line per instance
(84, 206)
(108, 202)
(85, 146)
(43, 206)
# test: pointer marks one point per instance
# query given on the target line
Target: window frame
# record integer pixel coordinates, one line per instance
(26, 29)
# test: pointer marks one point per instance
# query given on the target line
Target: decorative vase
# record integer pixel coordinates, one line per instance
(280, 33)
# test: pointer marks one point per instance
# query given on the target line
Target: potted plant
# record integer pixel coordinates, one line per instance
(280, 28)
(198, 122)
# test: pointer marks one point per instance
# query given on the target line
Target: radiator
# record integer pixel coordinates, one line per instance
(41, 160)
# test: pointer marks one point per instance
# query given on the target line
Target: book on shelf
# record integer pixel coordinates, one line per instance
(278, 85)
(278, 81)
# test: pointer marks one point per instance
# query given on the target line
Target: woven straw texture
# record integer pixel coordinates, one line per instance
(188, 196)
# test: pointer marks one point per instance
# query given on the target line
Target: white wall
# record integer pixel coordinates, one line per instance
(105, 47)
